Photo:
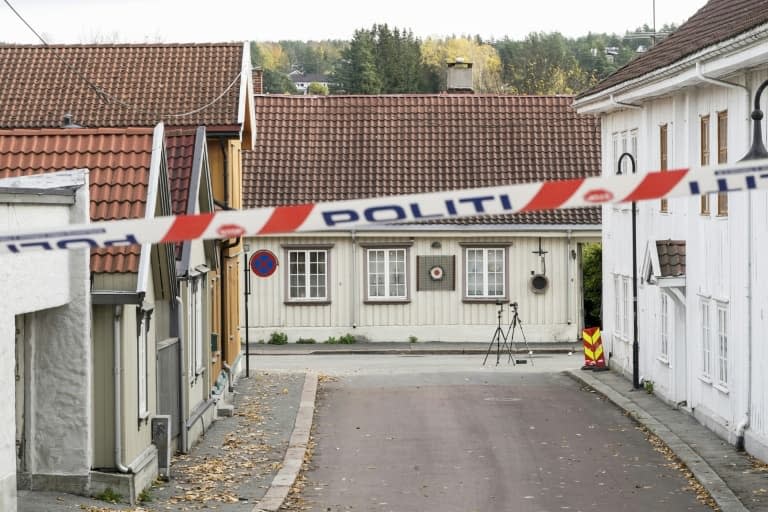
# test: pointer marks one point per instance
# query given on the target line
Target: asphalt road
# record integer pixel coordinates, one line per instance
(441, 433)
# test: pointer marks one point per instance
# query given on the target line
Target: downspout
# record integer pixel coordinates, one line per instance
(182, 378)
(568, 278)
(117, 345)
(744, 423)
(353, 305)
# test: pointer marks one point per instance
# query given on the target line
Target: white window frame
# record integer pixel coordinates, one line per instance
(307, 288)
(387, 274)
(617, 308)
(705, 314)
(722, 321)
(485, 272)
(627, 306)
(195, 327)
(142, 355)
(666, 325)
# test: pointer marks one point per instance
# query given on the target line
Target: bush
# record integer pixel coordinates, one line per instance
(331, 340)
(413, 339)
(347, 339)
(278, 338)
(306, 340)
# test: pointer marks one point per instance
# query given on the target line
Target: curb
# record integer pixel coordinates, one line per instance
(702, 471)
(297, 448)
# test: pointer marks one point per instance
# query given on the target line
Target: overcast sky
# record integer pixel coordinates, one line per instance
(86, 21)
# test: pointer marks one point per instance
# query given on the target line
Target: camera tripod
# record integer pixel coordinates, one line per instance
(500, 337)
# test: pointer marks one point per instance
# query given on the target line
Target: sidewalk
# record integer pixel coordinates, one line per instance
(429, 347)
(736, 481)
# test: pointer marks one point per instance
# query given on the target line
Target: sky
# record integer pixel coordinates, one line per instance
(182, 21)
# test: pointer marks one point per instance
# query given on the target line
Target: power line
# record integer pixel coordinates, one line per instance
(108, 98)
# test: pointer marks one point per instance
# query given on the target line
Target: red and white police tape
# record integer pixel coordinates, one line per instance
(345, 215)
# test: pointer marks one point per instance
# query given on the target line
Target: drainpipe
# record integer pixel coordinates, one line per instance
(353, 305)
(182, 378)
(116, 326)
(568, 279)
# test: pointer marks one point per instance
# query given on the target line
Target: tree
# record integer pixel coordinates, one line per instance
(592, 268)
(318, 89)
(356, 71)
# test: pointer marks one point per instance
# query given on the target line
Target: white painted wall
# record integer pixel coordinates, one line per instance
(429, 315)
(54, 287)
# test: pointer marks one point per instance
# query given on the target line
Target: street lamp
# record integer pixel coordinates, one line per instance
(635, 345)
(757, 151)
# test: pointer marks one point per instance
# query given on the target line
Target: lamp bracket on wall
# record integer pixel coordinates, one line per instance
(539, 281)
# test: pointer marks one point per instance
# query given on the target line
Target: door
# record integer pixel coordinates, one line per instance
(19, 375)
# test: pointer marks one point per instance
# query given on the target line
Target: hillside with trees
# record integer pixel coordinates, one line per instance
(384, 60)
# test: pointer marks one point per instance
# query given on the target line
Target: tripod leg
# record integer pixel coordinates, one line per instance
(490, 347)
(525, 341)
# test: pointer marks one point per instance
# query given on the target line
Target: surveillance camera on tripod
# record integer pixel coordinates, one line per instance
(504, 340)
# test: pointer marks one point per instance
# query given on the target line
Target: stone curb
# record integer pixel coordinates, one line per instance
(721, 493)
(297, 448)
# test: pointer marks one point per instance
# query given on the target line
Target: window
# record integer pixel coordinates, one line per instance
(722, 157)
(143, 366)
(706, 341)
(307, 275)
(387, 271)
(485, 272)
(665, 327)
(663, 160)
(722, 345)
(704, 157)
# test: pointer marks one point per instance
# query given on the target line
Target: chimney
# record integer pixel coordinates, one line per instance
(258, 81)
(67, 122)
(459, 77)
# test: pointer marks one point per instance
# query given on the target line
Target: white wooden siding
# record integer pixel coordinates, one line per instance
(428, 315)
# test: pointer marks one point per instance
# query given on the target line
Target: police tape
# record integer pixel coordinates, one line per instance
(358, 213)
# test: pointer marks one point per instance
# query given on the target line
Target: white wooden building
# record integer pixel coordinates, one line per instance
(687, 102)
(436, 281)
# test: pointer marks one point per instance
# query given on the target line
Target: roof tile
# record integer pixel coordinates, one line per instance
(717, 21)
(329, 148)
(118, 161)
(133, 85)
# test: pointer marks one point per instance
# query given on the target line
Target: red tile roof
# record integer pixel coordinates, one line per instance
(671, 257)
(325, 148)
(717, 21)
(132, 85)
(119, 164)
(180, 152)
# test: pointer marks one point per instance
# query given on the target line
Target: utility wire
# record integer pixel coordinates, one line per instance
(108, 98)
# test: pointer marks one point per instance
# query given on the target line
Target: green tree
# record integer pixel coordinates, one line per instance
(356, 71)
(318, 89)
(541, 64)
(486, 65)
(592, 268)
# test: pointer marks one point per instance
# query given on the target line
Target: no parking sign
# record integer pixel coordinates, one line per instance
(263, 263)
